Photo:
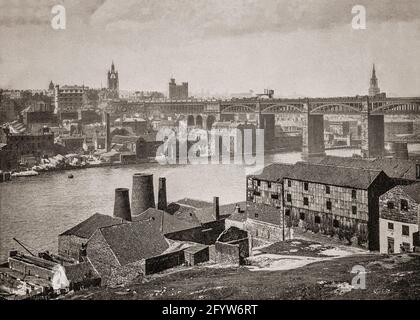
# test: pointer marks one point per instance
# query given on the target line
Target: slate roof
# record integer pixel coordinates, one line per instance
(413, 190)
(131, 242)
(168, 223)
(393, 168)
(274, 172)
(333, 175)
(86, 228)
(194, 203)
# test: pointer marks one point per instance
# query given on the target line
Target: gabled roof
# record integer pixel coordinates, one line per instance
(274, 172)
(333, 175)
(413, 190)
(131, 242)
(86, 228)
(393, 168)
(168, 223)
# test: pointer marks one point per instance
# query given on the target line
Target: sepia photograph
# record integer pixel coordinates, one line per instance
(209, 155)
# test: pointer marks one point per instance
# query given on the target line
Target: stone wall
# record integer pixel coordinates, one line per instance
(163, 262)
(396, 214)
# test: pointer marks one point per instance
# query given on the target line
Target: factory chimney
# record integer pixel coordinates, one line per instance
(122, 204)
(162, 202)
(142, 197)
(108, 133)
(216, 211)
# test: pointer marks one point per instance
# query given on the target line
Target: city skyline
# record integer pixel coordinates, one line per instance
(216, 47)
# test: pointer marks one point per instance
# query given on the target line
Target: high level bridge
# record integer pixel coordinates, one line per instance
(204, 113)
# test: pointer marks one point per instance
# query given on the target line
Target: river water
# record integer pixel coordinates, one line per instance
(37, 209)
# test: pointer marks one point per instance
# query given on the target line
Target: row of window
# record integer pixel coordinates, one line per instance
(327, 189)
(317, 219)
(328, 203)
(403, 205)
(405, 229)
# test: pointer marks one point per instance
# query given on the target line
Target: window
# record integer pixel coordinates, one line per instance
(404, 205)
(328, 205)
(353, 194)
(274, 196)
(390, 226)
(336, 223)
(269, 184)
(317, 219)
(405, 230)
(390, 205)
(256, 215)
(354, 209)
(257, 193)
(302, 216)
(289, 183)
(306, 186)
(305, 201)
(258, 183)
(289, 197)
(418, 171)
(327, 190)
(287, 213)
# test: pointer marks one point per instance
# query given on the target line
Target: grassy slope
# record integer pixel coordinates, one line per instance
(396, 277)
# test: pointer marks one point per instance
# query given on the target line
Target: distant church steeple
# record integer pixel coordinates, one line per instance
(113, 81)
(374, 88)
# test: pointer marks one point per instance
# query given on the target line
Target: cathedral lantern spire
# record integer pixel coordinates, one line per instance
(113, 82)
(374, 88)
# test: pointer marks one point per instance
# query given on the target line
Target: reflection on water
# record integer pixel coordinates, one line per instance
(37, 209)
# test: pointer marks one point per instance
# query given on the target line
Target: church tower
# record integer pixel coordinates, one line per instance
(374, 89)
(113, 82)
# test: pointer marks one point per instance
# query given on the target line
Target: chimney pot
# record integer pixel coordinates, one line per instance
(162, 201)
(216, 209)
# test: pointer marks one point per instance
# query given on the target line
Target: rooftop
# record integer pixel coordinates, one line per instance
(86, 228)
(333, 175)
(413, 190)
(131, 242)
(393, 168)
(274, 172)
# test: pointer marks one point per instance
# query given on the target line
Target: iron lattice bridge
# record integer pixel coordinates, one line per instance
(340, 105)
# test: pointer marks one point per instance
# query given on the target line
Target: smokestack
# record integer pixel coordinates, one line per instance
(122, 204)
(162, 202)
(108, 133)
(142, 197)
(216, 208)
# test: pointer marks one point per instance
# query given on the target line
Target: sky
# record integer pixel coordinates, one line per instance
(296, 47)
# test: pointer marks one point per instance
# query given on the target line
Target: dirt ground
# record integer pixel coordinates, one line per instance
(295, 269)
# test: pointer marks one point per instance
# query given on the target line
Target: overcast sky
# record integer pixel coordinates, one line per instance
(296, 47)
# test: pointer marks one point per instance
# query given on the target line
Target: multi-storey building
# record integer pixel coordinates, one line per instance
(332, 200)
(69, 100)
(178, 92)
(400, 219)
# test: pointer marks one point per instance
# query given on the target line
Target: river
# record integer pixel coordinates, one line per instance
(37, 209)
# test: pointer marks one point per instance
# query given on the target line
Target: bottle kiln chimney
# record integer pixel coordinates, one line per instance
(143, 196)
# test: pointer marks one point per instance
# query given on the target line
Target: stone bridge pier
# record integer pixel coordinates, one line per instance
(372, 133)
(312, 135)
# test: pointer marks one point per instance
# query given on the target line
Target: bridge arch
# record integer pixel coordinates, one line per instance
(209, 122)
(240, 108)
(282, 108)
(190, 120)
(412, 107)
(335, 107)
(199, 121)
